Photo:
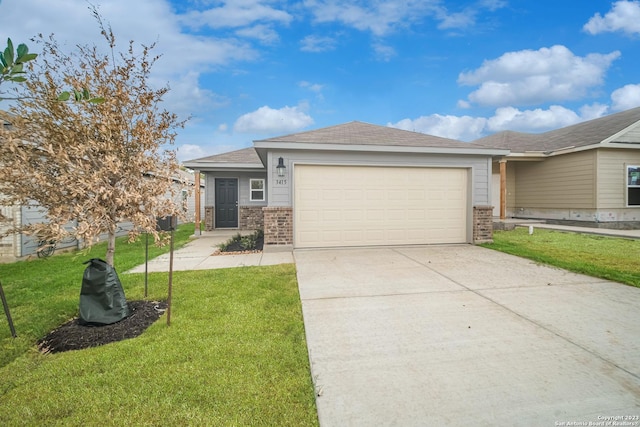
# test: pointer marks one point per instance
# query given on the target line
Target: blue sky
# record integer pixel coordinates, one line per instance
(254, 69)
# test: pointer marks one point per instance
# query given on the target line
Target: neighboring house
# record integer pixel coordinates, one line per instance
(587, 174)
(185, 183)
(353, 184)
(16, 246)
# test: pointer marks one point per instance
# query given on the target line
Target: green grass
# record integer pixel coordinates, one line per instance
(44, 293)
(599, 256)
(235, 353)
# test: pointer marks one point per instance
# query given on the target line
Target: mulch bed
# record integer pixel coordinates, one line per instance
(74, 336)
(236, 248)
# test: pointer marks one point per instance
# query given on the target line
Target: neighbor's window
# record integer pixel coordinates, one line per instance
(257, 190)
(633, 185)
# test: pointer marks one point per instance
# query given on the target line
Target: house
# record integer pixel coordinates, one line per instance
(354, 184)
(586, 174)
(15, 246)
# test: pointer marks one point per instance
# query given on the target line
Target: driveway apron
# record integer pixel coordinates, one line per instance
(462, 335)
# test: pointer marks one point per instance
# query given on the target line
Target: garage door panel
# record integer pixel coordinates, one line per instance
(416, 215)
(374, 195)
(416, 195)
(330, 195)
(361, 206)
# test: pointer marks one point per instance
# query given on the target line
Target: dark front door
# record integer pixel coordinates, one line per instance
(226, 203)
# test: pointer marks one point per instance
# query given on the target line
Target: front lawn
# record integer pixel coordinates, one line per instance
(235, 353)
(599, 256)
(44, 293)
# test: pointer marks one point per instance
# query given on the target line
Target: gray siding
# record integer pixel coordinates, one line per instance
(281, 193)
(243, 187)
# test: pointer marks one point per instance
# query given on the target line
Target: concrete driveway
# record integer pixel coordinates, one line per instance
(461, 335)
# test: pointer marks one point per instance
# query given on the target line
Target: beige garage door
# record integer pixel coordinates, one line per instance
(363, 206)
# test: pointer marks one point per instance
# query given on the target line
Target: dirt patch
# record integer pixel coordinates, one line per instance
(74, 336)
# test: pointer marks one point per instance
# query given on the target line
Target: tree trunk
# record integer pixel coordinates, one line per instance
(111, 248)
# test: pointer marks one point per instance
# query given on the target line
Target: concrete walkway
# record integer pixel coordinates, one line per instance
(198, 254)
(201, 254)
(462, 335)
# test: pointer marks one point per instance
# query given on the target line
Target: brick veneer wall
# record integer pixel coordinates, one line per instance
(482, 224)
(278, 225)
(251, 218)
(209, 218)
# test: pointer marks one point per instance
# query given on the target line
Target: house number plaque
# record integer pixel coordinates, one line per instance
(281, 182)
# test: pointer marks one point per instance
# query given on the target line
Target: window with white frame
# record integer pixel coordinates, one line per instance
(256, 190)
(633, 185)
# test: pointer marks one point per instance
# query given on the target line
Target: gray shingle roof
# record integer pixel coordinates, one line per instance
(515, 141)
(243, 156)
(579, 135)
(359, 133)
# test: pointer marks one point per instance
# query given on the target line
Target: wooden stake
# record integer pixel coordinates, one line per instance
(170, 277)
(6, 311)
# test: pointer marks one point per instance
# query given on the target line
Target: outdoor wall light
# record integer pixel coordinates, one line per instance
(281, 167)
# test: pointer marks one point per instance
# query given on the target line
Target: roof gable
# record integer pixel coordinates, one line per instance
(246, 158)
(245, 155)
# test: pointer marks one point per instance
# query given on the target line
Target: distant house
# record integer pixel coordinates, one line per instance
(353, 184)
(16, 246)
(587, 174)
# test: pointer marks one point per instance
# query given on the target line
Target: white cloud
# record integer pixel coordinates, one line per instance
(380, 18)
(463, 19)
(268, 120)
(468, 128)
(493, 4)
(313, 87)
(626, 97)
(190, 151)
(263, 33)
(384, 17)
(187, 96)
(317, 44)
(182, 53)
(593, 111)
(538, 120)
(624, 16)
(235, 14)
(531, 77)
(383, 52)
(463, 128)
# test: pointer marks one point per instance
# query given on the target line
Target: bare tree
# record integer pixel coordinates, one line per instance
(91, 164)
